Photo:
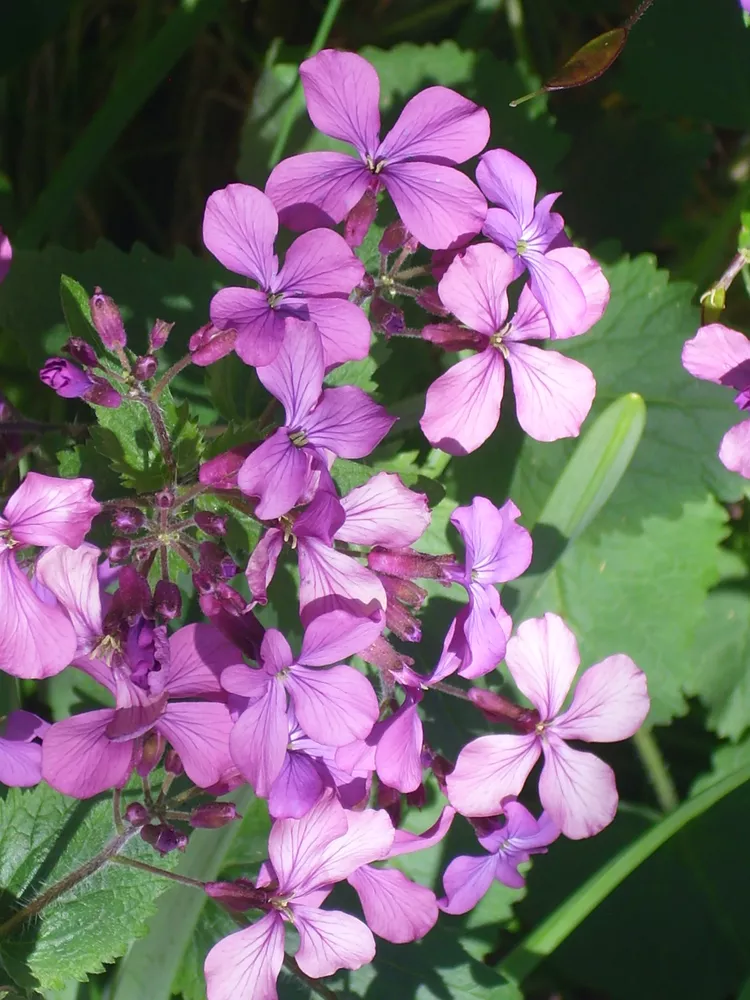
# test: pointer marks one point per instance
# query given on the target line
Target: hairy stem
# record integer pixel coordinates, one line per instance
(162, 434)
(168, 375)
(159, 872)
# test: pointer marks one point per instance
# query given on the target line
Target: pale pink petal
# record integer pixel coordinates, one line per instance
(20, 763)
(198, 654)
(558, 292)
(79, 760)
(591, 280)
(259, 739)
(488, 770)
(465, 882)
(405, 842)
(334, 706)
(330, 580)
(342, 92)
(384, 512)
(368, 838)
(331, 940)
(275, 652)
(247, 682)
(239, 228)
(296, 788)
(735, 449)
(398, 756)
(296, 846)
(462, 406)
(475, 287)
(437, 123)
(486, 627)
(529, 321)
(577, 789)
(543, 659)
(437, 204)
(36, 639)
(610, 703)
(509, 182)
(347, 422)
(199, 732)
(497, 548)
(72, 576)
(395, 908)
(316, 189)
(277, 473)
(45, 510)
(715, 352)
(344, 329)
(553, 393)
(504, 229)
(335, 636)
(245, 965)
(261, 566)
(319, 263)
(260, 329)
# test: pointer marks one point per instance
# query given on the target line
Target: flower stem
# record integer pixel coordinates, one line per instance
(656, 770)
(162, 434)
(168, 375)
(159, 872)
(314, 984)
(117, 810)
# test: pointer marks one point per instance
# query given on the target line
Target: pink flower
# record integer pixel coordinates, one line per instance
(319, 272)
(722, 355)
(467, 879)
(72, 577)
(576, 789)
(6, 255)
(36, 636)
(306, 857)
(20, 754)
(414, 163)
(333, 706)
(318, 424)
(553, 393)
(528, 232)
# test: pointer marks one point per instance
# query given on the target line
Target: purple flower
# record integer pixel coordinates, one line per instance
(528, 231)
(415, 162)
(67, 379)
(722, 355)
(72, 577)
(497, 550)
(576, 789)
(319, 272)
(306, 857)
(467, 879)
(6, 255)
(333, 706)
(20, 754)
(318, 423)
(553, 393)
(37, 638)
(91, 752)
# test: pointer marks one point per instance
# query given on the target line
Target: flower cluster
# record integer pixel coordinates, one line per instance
(330, 744)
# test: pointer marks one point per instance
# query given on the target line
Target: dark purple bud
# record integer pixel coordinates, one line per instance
(134, 595)
(136, 814)
(159, 333)
(128, 520)
(401, 622)
(212, 524)
(107, 320)
(167, 599)
(81, 352)
(209, 344)
(67, 379)
(119, 549)
(203, 582)
(240, 895)
(429, 300)
(221, 471)
(390, 800)
(172, 763)
(243, 629)
(164, 499)
(441, 767)
(214, 560)
(150, 754)
(452, 337)
(387, 316)
(367, 285)
(102, 394)
(418, 798)
(393, 238)
(163, 838)
(213, 815)
(222, 598)
(495, 708)
(145, 367)
(404, 591)
(359, 220)
(411, 565)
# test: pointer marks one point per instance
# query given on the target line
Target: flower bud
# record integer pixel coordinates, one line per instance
(81, 352)
(418, 798)
(145, 367)
(6, 255)
(386, 659)
(390, 800)
(221, 471)
(405, 591)
(164, 499)
(495, 708)
(136, 814)
(119, 549)
(401, 622)
(441, 767)
(240, 895)
(361, 217)
(134, 594)
(167, 599)
(67, 379)
(214, 560)
(102, 394)
(451, 337)
(387, 317)
(203, 582)
(430, 301)
(209, 344)
(213, 815)
(410, 564)
(163, 838)
(212, 524)
(367, 285)
(128, 520)
(243, 629)
(393, 238)
(172, 763)
(151, 752)
(107, 319)
(159, 333)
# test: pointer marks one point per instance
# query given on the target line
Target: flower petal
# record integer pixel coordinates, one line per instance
(330, 580)
(347, 422)
(490, 768)
(72, 576)
(198, 654)
(296, 846)
(296, 788)
(486, 628)
(335, 636)
(506, 180)
(277, 472)
(395, 908)
(558, 292)
(497, 548)
(319, 263)
(344, 329)
(199, 732)
(577, 789)
(384, 512)
(334, 706)
(504, 229)
(316, 189)
(462, 407)
(369, 836)
(342, 92)
(20, 763)
(259, 738)
(331, 940)
(398, 757)
(295, 377)
(610, 703)
(465, 881)
(475, 287)
(437, 204)
(734, 451)
(718, 354)
(240, 226)
(45, 510)
(79, 760)
(246, 964)
(260, 329)
(261, 566)
(543, 659)
(553, 393)
(437, 123)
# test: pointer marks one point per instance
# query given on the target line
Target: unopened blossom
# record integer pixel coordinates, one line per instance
(239, 228)
(577, 790)
(20, 753)
(528, 230)
(553, 393)
(306, 857)
(509, 844)
(414, 162)
(318, 423)
(67, 379)
(333, 705)
(6, 254)
(722, 355)
(37, 638)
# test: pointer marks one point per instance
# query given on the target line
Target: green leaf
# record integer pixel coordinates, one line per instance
(46, 836)
(77, 311)
(236, 390)
(125, 436)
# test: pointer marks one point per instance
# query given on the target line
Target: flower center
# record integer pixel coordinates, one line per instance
(496, 340)
(373, 165)
(298, 438)
(521, 247)
(274, 298)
